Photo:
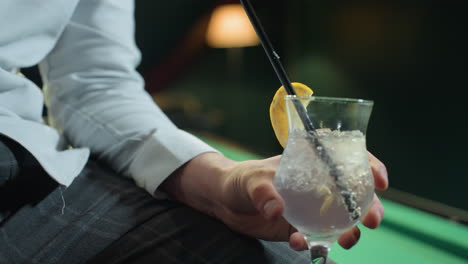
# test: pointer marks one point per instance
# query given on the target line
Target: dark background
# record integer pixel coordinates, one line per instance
(410, 59)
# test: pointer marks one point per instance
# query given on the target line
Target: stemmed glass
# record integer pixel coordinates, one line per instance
(324, 175)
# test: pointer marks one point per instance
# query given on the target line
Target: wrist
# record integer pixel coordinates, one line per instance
(198, 182)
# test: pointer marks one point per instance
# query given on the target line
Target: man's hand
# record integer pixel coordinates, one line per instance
(242, 195)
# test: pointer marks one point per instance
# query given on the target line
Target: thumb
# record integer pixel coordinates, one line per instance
(266, 199)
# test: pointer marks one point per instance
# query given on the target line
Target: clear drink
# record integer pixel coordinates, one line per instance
(314, 204)
(324, 175)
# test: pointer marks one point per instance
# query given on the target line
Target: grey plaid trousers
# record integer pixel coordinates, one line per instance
(104, 218)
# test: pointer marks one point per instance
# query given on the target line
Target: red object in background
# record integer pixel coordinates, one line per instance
(158, 77)
(182, 56)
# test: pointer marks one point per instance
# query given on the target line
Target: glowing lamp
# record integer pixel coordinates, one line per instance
(229, 27)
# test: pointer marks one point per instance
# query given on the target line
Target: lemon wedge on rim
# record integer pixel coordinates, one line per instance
(278, 114)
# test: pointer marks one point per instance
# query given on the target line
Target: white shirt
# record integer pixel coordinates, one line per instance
(96, 100)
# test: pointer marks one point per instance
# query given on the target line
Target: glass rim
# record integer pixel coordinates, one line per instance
(331, 99)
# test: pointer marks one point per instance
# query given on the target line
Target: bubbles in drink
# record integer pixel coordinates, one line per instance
(314, 204)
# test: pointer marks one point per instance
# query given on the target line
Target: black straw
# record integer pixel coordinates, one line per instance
(348, 196)
(276, 63)
(270, 51)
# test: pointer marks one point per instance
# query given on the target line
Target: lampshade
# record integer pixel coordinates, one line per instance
(229, 27)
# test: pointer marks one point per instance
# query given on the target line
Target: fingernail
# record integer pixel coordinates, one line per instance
(381, 212)
(356, 237)
(357, 234)
(384, 173)
(270, 207)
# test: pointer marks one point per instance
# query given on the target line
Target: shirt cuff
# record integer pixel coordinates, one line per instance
(162, 153)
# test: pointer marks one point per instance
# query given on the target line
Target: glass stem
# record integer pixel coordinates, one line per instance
(319, 254)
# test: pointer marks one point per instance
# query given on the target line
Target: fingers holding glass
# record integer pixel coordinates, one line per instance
(379, 171)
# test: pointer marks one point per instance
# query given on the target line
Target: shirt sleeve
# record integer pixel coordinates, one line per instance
(96, 98)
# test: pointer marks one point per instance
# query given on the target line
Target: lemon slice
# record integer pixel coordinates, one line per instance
(278, 115)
